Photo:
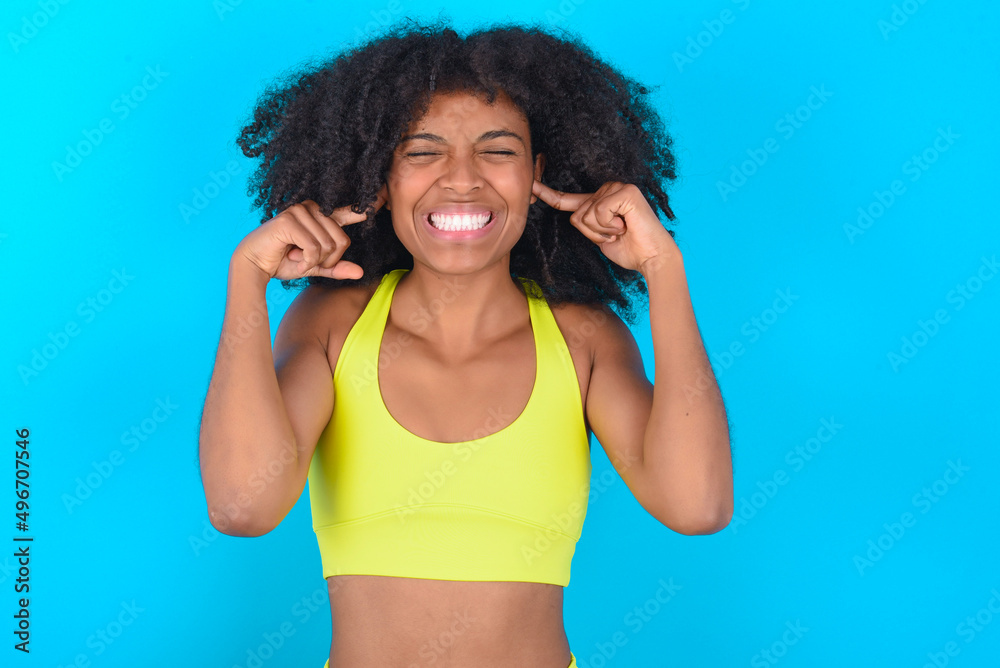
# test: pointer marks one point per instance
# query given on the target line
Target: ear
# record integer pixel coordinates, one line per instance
(539, 168)
(384, 192)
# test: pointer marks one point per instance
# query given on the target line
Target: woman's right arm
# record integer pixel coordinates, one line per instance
(264, 413)
(253, 463)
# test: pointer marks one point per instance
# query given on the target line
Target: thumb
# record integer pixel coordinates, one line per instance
(343, 270)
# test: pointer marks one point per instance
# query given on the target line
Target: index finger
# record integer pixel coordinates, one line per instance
(559, 200)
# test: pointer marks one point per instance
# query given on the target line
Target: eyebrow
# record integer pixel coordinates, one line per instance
(438, 139)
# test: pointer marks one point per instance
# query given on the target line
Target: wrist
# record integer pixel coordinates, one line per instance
(669, 260)
(243, 271)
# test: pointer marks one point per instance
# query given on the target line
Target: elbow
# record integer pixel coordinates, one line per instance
(239, 510)
(706, 526)
(233, 520)
(699, 524)
(240, 527)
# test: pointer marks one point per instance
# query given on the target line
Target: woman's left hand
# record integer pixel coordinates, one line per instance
(618, 219)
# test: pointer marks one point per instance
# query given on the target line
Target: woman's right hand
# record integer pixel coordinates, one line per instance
(301, 241)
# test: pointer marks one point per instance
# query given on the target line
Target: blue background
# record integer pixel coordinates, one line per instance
(794, 556)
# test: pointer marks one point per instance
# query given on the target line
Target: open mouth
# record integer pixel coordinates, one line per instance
(460, 222)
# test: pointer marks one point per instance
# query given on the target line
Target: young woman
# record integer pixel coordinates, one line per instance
(465, 211)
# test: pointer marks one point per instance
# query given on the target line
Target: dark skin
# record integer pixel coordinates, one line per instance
(479, 354)
(670, 447)
(368, 609)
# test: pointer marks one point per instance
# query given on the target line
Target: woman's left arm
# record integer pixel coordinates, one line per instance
(669, 442)
(686, 452)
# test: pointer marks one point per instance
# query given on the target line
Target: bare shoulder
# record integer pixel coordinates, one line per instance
(348, 303)
(589, 328)
(325, 314)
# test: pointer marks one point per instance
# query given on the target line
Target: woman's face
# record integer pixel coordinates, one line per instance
(460, 182)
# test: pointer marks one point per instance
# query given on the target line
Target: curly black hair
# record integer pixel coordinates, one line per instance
(327, 132)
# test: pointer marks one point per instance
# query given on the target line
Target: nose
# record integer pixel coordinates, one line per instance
(460, 174)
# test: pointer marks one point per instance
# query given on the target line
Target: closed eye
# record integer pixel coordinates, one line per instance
(417, 154)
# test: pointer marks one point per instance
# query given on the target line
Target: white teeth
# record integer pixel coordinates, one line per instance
(454, 221)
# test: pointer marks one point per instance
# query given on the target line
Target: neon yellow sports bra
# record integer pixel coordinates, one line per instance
(508, 506)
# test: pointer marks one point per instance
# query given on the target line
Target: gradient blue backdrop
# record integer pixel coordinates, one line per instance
(806, 310)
